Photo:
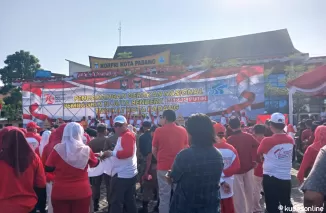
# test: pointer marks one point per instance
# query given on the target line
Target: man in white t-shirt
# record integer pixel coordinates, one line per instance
(277, 151)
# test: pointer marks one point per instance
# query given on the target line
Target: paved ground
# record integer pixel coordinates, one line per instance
(297, 196)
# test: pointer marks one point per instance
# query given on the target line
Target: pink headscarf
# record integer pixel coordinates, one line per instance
(320, 138)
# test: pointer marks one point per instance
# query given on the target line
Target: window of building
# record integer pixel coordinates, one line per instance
(276, 80)
(276, 104)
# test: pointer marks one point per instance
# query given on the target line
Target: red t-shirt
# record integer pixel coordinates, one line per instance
(246, 146)
(259, 168)
(307, 163)
(69, 182)
(169, 140)
(17, 193)
(306, 134)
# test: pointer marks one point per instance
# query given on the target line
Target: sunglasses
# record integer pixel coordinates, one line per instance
(118, 125)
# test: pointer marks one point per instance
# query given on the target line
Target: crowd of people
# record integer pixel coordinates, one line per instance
(204, 166)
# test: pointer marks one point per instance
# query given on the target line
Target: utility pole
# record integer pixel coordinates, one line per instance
(119, 33)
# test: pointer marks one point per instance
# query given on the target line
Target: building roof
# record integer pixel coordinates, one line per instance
(86, 66)
(259, 45)
(311, 82)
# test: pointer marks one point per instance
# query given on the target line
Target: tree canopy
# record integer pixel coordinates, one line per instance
(20, 65)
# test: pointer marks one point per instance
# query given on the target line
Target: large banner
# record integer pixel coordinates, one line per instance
(148, 61)
(210, 91)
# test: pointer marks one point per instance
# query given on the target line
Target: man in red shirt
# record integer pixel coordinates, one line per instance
(32, 137)
(168, 141)
(246, 146)
(307, 132)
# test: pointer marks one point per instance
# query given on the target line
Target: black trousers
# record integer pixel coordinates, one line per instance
(107, 181)
(277, 192)
(96, 186)
(41, 200)
(122, 195)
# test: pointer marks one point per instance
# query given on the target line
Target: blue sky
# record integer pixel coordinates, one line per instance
(69, 29)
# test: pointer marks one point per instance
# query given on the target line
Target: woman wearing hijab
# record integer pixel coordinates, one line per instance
(312, 152)
(23, 171)
(44, 141)
(71, 192)
(44, 196)
(54, 139)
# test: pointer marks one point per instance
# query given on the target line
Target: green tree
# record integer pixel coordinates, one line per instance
(231, 63)
(208, 63)
(20, 65)
(125, 55)
(12, 112)
(13, 105)
(176, 60)
(14, 98)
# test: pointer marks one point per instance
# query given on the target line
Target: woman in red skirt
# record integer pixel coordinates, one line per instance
(69, 160)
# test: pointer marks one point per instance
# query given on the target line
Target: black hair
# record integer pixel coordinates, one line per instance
(302, 125)
(201, 130)
(147, 124)
(308, 122)
(55, 126)
(169, 115)
(101, 128)
(234, 122)
(314, 125)
(141, 129)
(91, 132)
(278, 126)
(259, 129)
(41, 133)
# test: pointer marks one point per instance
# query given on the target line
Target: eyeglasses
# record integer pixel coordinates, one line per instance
(118, 125)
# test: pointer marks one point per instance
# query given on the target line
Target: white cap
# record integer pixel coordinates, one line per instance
(120, 119)
(278, 118)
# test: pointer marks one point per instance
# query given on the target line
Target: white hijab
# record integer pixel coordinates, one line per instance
(44, 141)
(72, 149)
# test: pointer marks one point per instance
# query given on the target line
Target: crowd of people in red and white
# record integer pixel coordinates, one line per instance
(202, 167)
